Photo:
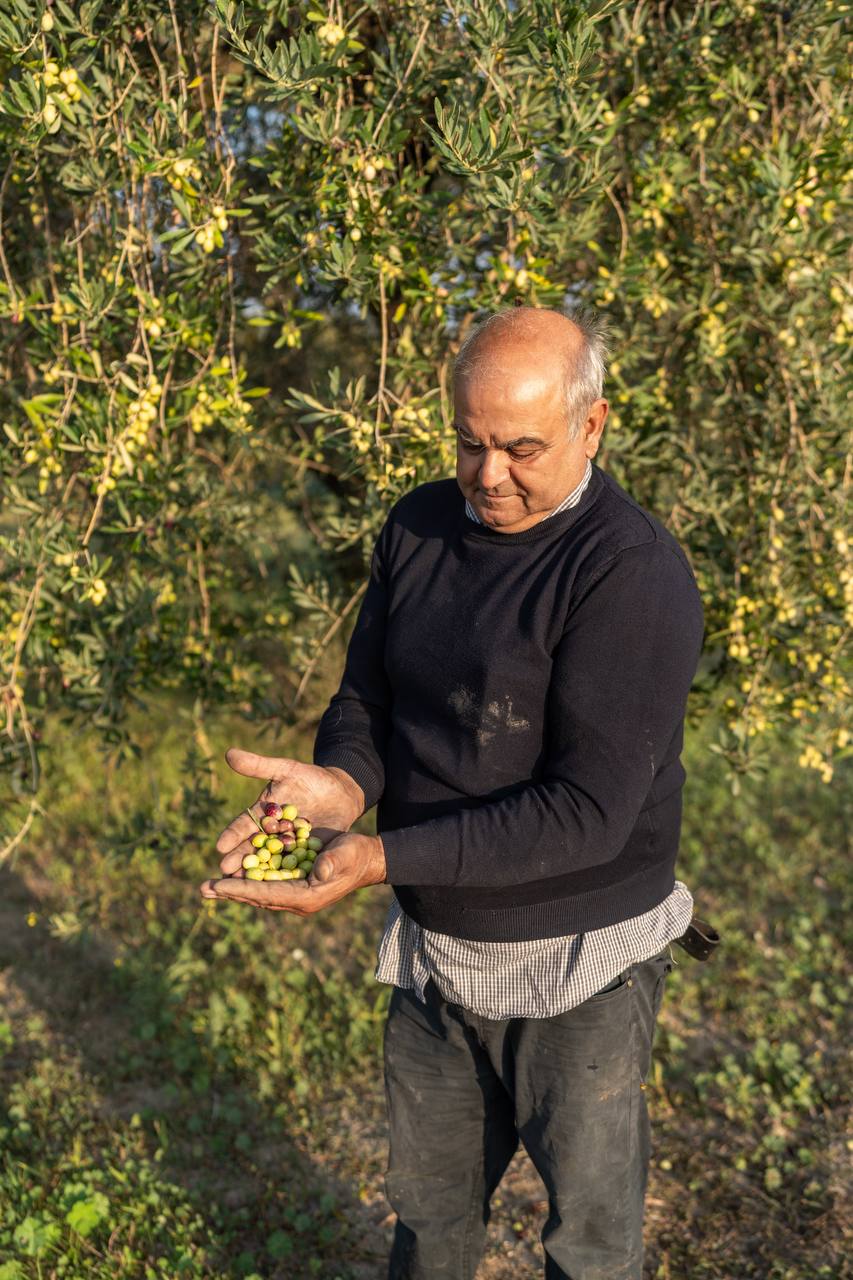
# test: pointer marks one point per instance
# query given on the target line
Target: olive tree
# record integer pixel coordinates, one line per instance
(239, 245)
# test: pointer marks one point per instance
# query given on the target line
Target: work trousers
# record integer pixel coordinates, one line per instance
(462, 1090)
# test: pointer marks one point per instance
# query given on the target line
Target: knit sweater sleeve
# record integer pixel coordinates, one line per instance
(353, 732)
(621, 674)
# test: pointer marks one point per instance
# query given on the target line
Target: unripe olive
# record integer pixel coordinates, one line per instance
(259, 840)
(290, 812)
(250, 860)
(275, 845)
(286, 874)
(264, 855)
(255, 873)
(305, 866)
(299, 874)
(273, 874)
(314, 842)
(290, 861)
(275, 861)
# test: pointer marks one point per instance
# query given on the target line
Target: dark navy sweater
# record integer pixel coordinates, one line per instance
(515, 704)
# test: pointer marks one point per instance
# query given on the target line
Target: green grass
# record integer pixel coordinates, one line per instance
(191, 1089)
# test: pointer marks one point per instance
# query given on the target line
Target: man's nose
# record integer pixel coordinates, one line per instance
(493, 469)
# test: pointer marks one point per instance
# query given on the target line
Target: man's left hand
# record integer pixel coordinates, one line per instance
(347, 863)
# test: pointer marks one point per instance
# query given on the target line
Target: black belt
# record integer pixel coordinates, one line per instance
(700, 940)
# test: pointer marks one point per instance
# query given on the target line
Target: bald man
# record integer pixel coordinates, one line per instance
(513, 700)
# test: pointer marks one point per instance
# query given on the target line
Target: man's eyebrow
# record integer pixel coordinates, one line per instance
(510, 444)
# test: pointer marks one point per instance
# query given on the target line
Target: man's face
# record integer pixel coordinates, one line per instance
(514, 459)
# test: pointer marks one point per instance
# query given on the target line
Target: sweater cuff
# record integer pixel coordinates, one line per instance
(359, 769)
(411, 858)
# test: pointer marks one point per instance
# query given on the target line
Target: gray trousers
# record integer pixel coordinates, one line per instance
(462, 1090)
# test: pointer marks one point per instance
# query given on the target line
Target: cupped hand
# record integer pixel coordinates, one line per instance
(347, 863)
(329, 798)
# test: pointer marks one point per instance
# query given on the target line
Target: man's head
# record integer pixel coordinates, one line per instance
(528, 412)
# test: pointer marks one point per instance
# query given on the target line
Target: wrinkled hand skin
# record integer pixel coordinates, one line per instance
(327, 797)
(331, 801)
(348, 862)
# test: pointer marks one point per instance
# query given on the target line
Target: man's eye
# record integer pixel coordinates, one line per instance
(516, 455)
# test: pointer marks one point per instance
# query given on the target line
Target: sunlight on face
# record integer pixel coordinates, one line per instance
(514, 460)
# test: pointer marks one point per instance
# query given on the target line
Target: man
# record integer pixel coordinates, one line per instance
(514, 698)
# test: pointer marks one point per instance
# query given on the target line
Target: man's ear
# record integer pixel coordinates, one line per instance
(594, 425)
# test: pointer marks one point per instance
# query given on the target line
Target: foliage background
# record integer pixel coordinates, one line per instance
(238, 247)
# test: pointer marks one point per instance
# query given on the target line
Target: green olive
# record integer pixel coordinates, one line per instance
(275, 861)
(306, 866)
(315, 842)
(289, 861)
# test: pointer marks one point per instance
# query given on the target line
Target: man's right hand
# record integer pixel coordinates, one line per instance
(329, 798)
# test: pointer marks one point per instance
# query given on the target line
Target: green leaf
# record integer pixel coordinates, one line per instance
(182, 206)
(13, 34)
(67, 109)
(181, 239)
(279, 1245)
(25, 106)
(86, 1216)
(35, 1235)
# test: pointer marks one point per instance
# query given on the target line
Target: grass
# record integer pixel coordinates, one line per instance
(194, 1090)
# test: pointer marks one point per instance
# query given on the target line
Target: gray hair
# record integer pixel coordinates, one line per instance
(583, 375)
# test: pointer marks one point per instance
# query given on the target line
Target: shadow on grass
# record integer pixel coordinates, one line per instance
(151, 1065)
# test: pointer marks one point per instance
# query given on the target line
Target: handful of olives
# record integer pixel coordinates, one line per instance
(285, 855)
